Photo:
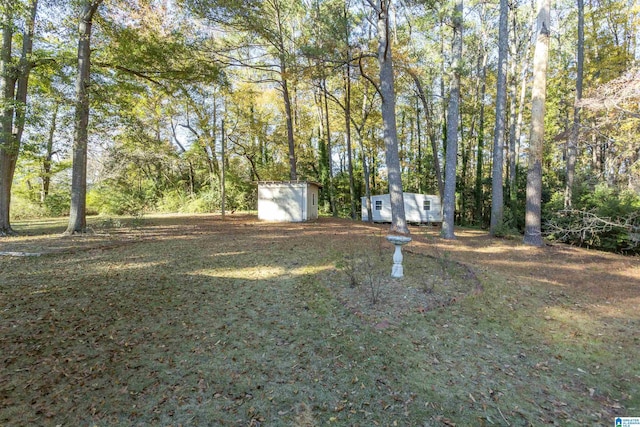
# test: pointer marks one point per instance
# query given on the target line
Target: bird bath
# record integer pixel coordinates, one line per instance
(398, 241)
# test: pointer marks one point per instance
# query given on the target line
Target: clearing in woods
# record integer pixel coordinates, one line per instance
(194, 320)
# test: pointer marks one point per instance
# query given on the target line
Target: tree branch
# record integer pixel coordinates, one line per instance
(363, 74)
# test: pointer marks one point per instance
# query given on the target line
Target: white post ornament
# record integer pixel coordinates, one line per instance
(397, 270)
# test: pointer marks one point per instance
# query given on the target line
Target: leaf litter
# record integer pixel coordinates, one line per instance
(199, 321)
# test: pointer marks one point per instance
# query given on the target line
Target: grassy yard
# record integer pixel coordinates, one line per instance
(192, 320)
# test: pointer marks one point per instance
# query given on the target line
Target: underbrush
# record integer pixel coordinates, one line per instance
(603, 219)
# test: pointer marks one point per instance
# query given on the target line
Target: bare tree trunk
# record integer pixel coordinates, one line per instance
(332, 190)
(419, 148)
(24, 70)
(572, 145)
(14, 100)
(223, 187)
(497, 193)
(434, 141)
(513, 89)
(286, 97)
(518, 132)
(347, 119)
(290, 139)
(78, 214)
(367, 174)
(8, 148)
(46, 163)
(479, 193)
(387, 91)
(449, 202)
(533, 226)
(365, 163)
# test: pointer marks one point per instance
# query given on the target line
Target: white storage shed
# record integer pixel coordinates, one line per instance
(417, 208)
(288, 201)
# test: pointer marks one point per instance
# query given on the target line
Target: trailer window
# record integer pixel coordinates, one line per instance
(426, 205)
(378, 205)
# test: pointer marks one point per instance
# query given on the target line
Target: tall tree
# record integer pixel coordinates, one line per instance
(432, 137)
(347, 109)
(533, 214)
(14, 81)
(78, 213)
(453, 119)
(267, 35)
(390, 133)
(497, 193)
(572, 145)
(482, 88)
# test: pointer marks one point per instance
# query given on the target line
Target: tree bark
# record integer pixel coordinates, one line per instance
(8, 149)
(47, 161)
(478, 192)
(286, 97)
(533, 226)
(78, 213)
(518, 130)
(513, 89)
(432, 137)
(331, 189)
(293, 173)
(390, 133)
(572, 145)
(497, 192)
(365, 163)
(449, 202)
(14, 100)
(223, 186)
(347, 119)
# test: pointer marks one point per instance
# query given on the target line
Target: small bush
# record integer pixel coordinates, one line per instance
(365, 268)
(23, 208)
(110, 201)
(57, 204)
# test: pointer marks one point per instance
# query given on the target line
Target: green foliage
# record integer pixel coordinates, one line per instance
(112, 200)
(57, 204)
(603, 219)
(24, 208)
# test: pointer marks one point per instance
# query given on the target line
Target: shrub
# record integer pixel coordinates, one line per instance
(603, 219)
(110, 201)
(57, 204)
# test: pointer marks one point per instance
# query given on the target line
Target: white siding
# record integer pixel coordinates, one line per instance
(413, 206)
(287, 201)
(312, 201)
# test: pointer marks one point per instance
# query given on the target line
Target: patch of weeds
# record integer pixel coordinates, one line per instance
(363, 268)
(506, 230)
(428, 285)
(109, 223)
(372, 276)
(349, 265)
(137, 220)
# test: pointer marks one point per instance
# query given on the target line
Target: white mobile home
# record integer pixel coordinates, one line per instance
(417, 208)
(288, 201)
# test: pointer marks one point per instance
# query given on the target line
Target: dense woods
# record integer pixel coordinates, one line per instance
(176, 103)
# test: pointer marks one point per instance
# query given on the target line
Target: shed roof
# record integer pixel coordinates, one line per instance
(317, 184)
